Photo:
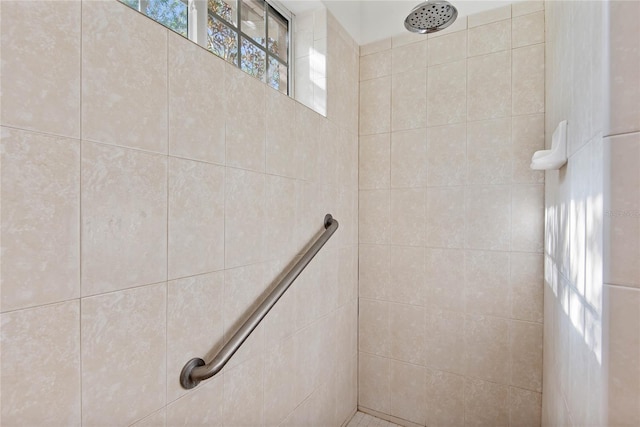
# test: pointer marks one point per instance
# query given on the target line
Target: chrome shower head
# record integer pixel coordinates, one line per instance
(431, 16)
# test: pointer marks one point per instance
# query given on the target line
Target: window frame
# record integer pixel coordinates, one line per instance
(270, 12)
(197, 26)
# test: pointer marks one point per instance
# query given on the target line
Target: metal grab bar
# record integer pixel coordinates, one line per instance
(197, 370)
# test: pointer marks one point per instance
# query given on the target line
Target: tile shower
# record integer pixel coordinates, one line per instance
(143, 215)
(451, 222)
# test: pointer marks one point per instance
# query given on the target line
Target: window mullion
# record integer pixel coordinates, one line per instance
(197, 22)
(266, 40)
(239, 12)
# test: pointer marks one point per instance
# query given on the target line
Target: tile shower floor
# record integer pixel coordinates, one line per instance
(360, 419)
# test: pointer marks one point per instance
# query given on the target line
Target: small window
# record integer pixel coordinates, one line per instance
(170, 13)
(251, 34)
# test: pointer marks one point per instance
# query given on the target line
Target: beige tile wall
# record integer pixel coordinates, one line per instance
(310, 50)
(151, 193)
(451, 222)
(592, 242)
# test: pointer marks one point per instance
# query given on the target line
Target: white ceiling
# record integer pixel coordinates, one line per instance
(371, 20)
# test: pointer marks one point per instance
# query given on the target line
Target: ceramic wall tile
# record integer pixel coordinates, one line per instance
(317, 292)
(31, 99)
(342, 84)
(244, 289)
(320, 23)
(409, 159)
(525, 407)
(123, 340)
(489, 151)
(117, 110)
(375, 65)
(526, 278)
(312, 360)
(489, 86)
(407, 331)
(196, 89)
(595, 223)
(281, 321)
(407, 267)
(447, 155)
(624, 71)
(375, 47)
(527, 228)
(201, 407)
(246, 120)
(445, 398)
(410, 57)
(280, 237)
(42, 344)
(485, 403)
(407, 391)
(303, 30)
(408, 96)
(624, 353)
(244, 207)
(310, 128)
(303, 76)
(279, 383)
(527, 137)
(445, 217)
(528, 29)
(408, 212)
(196, 218)
(375, 106)
(312, 410)
(448, 48)
(284, 152)
(488, 217)
(526, 355)
(374, 223)
(445, 340)
(375, 161)
(459, 25)
(157, 419)
(445, 285)
(622, 211)
(577, 232)
(374, 272)
(526, 7)
(406, 38)
(447, 93)
(195, 305)
(346, 394)
(40, 219)
(528, 80)
(373, 326)
(487, 286)
(489, 38)
(487, 348)
(240, 393)
(489, 16)
(124, 218)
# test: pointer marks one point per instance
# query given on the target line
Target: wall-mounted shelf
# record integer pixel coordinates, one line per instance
(556, 157)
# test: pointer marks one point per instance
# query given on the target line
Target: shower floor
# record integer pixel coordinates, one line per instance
(360, 419)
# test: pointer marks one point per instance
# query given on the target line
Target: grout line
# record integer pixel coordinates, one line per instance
(168, 171)
(80, 212)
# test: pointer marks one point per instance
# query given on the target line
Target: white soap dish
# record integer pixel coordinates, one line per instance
(557, 156)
